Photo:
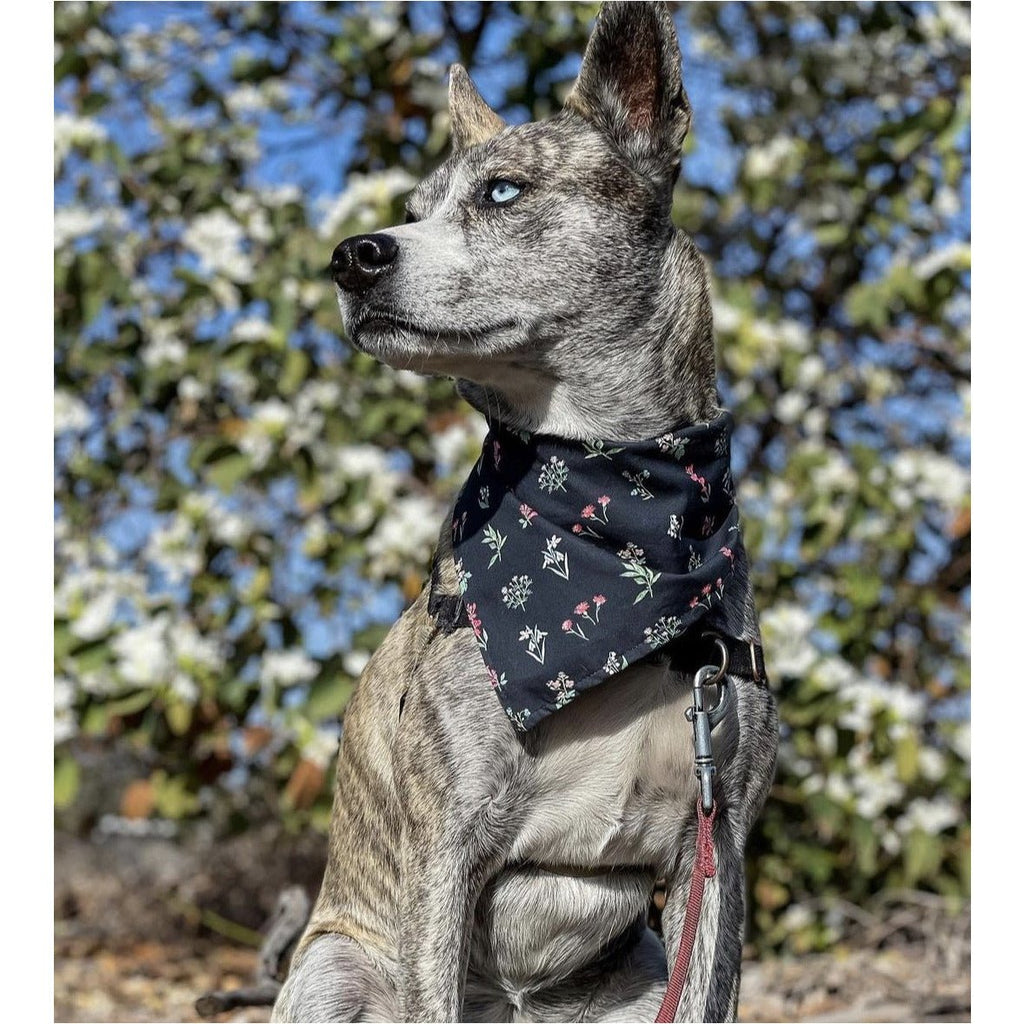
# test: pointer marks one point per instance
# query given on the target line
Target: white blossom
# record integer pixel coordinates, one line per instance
(172, 547)
(405, 533)
(251, 328)
(788, 627)
(930, 816)
(354, 661)
(790, 406)
(162, 344)
(960, 741)
(357, 206)
(933, 477)
(97, 616)
(190, 389)
(834, 474)
(270, 418)
(810, 371)
(193, 650)
(768, 160)
(955, 255)
(144, 656)
(287, 668)
(931, 763)
(245, 99)
(217, 239)
(184, 688)
(70, 413)
(70, 130)
(321, 746)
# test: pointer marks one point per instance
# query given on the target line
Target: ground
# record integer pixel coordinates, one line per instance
(906, 960)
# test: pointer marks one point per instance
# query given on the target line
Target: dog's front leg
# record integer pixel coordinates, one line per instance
(711, 992)
(458, 825)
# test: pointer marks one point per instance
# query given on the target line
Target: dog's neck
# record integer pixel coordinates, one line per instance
(628, 381)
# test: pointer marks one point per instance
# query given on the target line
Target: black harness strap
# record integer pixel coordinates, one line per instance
(745, 658)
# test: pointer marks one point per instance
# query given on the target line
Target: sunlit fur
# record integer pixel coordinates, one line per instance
(476, 873)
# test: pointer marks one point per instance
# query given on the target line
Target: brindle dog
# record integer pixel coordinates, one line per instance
(477, 873)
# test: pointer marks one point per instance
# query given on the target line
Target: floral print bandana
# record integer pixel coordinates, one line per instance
(577, 558)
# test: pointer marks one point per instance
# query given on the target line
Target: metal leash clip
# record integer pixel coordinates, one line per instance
(704, 721)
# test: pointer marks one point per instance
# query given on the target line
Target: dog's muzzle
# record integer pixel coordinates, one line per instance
(361, 260)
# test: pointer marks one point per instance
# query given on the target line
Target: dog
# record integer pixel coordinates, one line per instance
(483, 872)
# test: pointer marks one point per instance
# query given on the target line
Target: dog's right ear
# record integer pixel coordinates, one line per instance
(630, 85)
(472, 120)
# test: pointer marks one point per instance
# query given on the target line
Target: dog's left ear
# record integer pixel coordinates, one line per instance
(472, 120)
(631, 85)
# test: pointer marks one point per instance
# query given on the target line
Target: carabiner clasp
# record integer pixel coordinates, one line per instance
(704, 721)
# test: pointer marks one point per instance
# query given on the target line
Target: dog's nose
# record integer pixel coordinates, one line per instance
(361, 260)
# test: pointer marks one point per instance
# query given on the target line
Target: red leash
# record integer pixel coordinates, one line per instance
(703, 868)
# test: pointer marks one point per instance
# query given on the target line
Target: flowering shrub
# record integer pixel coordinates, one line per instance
(243, 503)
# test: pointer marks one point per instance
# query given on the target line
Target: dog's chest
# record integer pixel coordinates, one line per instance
(613, 775)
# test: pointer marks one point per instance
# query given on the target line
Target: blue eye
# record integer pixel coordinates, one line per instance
(502, 191)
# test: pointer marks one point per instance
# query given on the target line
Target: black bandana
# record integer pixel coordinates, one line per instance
(577, 558)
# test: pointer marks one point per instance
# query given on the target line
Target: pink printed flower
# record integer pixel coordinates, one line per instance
(727, 552)
(718, 583)
(693, 602)
(493, 676)
(525, 510)
(588, 512)
(582, 608)
(599, 599)
(567, 625)
(706, 589)
(473, 620)
(576, 528)
(604, 501)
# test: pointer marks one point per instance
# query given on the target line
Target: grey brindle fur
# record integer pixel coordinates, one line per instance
(476, 873)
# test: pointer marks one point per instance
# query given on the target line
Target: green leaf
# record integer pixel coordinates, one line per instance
(66, 779)
(228, 471)
(328, 696)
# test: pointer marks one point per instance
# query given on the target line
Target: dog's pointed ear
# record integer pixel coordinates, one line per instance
(631, 86)
(472, 120)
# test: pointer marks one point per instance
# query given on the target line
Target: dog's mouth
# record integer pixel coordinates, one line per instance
(380, 325)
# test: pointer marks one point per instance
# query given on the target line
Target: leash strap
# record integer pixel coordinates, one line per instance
(703, 868)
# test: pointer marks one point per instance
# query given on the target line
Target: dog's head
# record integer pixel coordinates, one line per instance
(539, 265)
